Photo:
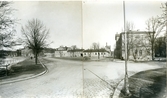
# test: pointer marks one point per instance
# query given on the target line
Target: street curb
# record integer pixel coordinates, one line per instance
(118, 89)
(26, 78)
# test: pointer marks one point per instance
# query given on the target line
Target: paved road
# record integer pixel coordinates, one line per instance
(66, 79)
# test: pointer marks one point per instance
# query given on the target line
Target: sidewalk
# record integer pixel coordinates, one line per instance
(23, 70)
(148, 84)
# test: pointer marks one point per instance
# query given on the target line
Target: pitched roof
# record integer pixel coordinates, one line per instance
(76, 50)
(95, 50)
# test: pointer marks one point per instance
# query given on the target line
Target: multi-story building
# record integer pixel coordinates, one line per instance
(138, 46)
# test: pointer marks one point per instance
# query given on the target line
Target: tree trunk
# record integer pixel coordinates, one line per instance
(152, 50)
(128, 54)
(98, 55)
(36, 58)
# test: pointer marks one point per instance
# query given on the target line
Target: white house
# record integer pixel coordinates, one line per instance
(101, 53)
(62, 51)
(76, 53)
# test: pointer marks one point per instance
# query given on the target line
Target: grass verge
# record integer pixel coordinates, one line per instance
(148, 84)
(27, 67)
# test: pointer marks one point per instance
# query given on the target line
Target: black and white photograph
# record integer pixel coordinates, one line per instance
(83, 49)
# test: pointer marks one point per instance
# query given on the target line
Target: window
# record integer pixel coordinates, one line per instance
(102, 53)
(95, 53)
(85, 53)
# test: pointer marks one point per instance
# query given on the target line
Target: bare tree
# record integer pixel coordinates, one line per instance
(7, 24)
(73, 49)
(96, 46)
(35, 34)
(154, 27)
(163, 18)
(138, 44)
(160, 47)
(129, 27)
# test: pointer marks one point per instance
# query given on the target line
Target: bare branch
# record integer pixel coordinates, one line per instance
(35, 36)
(155, 26)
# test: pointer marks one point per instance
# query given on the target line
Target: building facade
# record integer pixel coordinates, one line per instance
(97, 53)
(68, 52)
(75, 53)
(138, 46)
(61, 51)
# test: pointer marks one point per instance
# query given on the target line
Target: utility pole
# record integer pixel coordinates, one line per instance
(126, 83)
(166, 32)
(166, 23)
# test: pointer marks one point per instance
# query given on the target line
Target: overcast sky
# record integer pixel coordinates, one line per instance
(82, 23)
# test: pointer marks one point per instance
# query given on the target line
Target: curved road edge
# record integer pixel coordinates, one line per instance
(118, 88)
(27, 78)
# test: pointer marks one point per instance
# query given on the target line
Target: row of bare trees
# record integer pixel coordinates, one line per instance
(7, 25)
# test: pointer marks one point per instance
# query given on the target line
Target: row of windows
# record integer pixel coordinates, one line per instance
(97, 53)
(141, 52)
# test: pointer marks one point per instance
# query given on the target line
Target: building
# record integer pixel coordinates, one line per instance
(62, 51)
(138, 46)
(108, 48)
(96, 53)
(12, 50)
(48, 52)
(75, 52)
(26, 52)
